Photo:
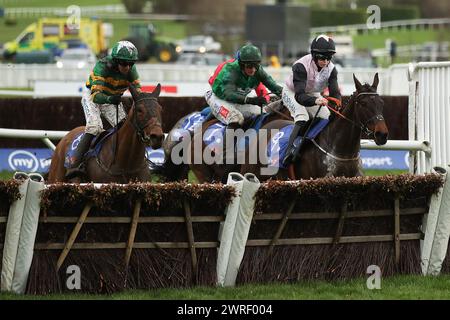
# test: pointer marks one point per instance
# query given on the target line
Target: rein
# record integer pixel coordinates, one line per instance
(140, 129)
(362, 126)
(279, 113)
(140, 133)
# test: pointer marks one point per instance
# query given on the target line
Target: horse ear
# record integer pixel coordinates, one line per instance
(157, 91)
(375, 81)
(134, 92)
(358, 84)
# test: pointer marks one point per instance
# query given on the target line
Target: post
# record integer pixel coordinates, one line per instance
(190, 234)
(134, 224)
(73, 235)
(397, 229)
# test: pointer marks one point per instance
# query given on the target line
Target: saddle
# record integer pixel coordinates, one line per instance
(95, 147)
(278, 144)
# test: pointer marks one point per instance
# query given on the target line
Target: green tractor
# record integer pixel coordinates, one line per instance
(143, 36)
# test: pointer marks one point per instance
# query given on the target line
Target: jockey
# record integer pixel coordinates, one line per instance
(109, 79)
(311, 74)
(231, 86)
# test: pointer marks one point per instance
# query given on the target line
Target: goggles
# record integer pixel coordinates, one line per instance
(323, 56)
(251, 65)
(125, 63)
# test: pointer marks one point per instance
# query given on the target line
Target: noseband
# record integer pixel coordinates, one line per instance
(377, 117)
(361, 125)
(137, 126)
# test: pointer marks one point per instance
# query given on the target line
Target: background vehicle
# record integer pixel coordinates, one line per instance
(143, 36)
(205, 59)
(76, 58)
(199, 44)
(54, 35)
(354, 61)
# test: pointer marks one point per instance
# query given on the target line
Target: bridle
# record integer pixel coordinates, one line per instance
(140, 128)
(363, 126)
(360, 125)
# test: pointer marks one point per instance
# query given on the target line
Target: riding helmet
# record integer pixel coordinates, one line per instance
(323, 45)
(124, 50)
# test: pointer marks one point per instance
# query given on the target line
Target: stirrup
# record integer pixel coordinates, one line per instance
(289, 156)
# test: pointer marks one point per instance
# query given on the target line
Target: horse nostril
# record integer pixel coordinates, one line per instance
(381, 137)
(156, 139)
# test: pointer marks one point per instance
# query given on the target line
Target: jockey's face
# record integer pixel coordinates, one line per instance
(250, 69)
(323, 60)
(124, 67)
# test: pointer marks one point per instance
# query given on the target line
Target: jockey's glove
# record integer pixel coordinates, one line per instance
(114, 99)
(259, 101)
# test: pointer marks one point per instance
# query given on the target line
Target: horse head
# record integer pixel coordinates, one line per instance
(146, 116)
(368, 106)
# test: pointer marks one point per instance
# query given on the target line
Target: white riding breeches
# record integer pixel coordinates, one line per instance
(229, 112)
(94, 111)
(300, 112)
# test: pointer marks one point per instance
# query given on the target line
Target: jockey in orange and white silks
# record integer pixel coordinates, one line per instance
(311, 74)
(229, 96)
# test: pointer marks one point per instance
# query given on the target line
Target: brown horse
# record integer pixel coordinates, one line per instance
(123, 155)
(218, 171)
(335, 151)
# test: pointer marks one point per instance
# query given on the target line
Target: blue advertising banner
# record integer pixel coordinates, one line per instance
(38, 160)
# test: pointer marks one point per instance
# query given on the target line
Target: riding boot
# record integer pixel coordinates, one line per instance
(76, 169)
(299, 128)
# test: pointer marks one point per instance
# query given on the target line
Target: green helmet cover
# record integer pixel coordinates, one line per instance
(124, 50)
(249, 53)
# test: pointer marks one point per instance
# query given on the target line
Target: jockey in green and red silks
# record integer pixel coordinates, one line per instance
(232, 83)
(107, 82)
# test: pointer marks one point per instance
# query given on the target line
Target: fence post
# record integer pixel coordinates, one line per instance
(242, 227)
(28, 232)
(437, 228)
(12, 234)
(227, 227)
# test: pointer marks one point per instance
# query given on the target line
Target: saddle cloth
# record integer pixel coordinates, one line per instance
(94, 149)
(214, 135)
(278, 144)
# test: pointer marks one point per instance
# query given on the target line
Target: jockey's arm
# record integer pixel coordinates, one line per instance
(99, 97)
(299, 78)
(333, 85)
(230, 89)
(269, 82)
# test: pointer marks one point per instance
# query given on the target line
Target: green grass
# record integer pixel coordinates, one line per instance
(369, 172)
(374, 40)
(405, 287)
(6, 175)
(52, 3)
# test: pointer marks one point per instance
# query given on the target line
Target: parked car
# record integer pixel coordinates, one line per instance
(76, 58)
(202, 59)
(354, 61)
(199, 44)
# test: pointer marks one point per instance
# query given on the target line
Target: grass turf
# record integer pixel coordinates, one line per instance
(404, 287)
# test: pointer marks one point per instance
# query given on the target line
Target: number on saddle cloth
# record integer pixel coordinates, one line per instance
(278, 144)
(97, 144)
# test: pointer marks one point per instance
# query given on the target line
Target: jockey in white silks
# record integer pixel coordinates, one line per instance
(311, 74)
